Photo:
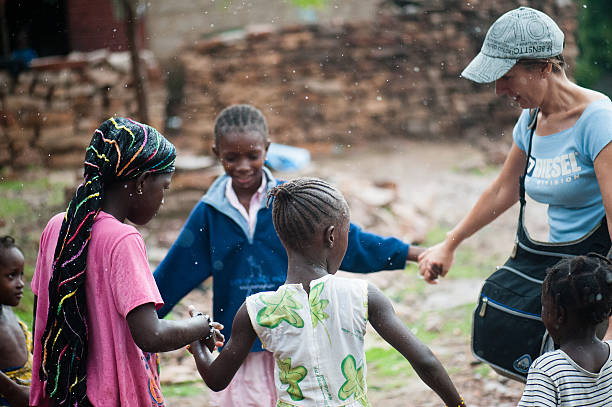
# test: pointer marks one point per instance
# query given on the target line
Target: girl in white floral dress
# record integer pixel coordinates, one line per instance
(315, 323)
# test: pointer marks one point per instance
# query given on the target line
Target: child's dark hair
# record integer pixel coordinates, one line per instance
(7, 243)
(240, 118)
(582, 284)
(302, 206)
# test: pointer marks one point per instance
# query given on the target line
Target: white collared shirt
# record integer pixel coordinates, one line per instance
(254, 205)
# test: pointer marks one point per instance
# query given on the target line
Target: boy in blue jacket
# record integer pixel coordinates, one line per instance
(230, 236)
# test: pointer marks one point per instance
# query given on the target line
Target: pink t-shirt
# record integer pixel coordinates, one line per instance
(118, 280)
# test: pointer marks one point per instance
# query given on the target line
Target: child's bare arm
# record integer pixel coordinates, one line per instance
(384, 320)
(16, 394)
(152, 334)
(414, 252)
(218, 373)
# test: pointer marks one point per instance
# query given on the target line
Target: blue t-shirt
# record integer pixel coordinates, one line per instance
(561, 172)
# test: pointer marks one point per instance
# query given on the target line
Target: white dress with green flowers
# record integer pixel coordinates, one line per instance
(317, 340)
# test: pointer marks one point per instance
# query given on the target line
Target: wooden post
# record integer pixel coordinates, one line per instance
(138, 78)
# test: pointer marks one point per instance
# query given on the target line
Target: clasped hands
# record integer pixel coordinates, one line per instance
(435, 262)
(212, 341)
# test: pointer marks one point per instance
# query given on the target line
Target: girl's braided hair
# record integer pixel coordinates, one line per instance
(120, 150)
(240, 118)
(302, 207)
(582, 284)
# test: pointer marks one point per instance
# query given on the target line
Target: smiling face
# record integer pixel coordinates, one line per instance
(146, 204)
(11, 276)
(242, 155)
(526, 85)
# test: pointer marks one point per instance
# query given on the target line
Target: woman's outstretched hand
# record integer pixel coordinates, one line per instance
(435, 262)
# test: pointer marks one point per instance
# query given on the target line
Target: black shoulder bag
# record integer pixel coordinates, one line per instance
(507, 330)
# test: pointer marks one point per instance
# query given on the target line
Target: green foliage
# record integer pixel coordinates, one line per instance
(182, 390)
(387, 362)
(482, 370)
(18, 199)
(469, 262)
(25, 207)
(388, 369)
(593, 36)
(309, 3)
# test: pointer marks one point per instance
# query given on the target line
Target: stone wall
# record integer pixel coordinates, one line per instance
(49, 112)
(397, 75)
(394, 76)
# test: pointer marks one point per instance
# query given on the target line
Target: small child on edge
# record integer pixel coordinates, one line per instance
(576, 298)
(315, 323)
(15, 338)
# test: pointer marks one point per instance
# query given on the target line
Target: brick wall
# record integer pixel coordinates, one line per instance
(47, 116)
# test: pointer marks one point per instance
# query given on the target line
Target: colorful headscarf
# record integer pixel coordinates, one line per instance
(120, 150)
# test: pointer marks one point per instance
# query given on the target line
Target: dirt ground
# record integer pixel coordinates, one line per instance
(439, 182)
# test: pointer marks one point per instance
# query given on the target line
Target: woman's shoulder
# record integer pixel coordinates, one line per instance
(596, 121)
(520, 132)
(594, 104)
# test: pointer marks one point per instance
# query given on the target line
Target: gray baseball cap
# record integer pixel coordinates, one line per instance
(523, 33)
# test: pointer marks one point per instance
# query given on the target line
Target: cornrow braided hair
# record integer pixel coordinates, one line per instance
(582, 284)
(120, 150)
(302, 207)
(240, 118)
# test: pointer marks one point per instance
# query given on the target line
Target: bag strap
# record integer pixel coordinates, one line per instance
(533, 121)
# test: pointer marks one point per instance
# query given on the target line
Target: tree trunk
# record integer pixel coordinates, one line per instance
(138, 78)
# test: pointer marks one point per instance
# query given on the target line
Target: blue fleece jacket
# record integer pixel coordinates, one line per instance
(216, 241)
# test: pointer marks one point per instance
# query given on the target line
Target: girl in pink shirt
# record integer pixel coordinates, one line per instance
(96, 327)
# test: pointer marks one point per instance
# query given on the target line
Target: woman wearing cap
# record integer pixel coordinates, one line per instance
(571, 157)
